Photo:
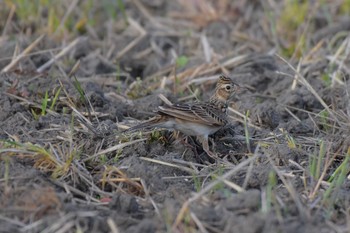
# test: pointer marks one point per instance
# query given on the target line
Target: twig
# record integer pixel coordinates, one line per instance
(134, 42)
(186, 169)
(117, 147)
(9, 18)
(310, 88)
(209, 187)
(198, 223)
(148, 195)
(72, 5)
(59, 55)
(290, 189)
(21, 55)
(112, 225)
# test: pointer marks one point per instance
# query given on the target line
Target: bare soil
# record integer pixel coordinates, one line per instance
(158, 182)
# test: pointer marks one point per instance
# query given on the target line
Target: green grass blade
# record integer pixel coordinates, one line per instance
(320, 158)
(339, 169)
(44, 104)
(80, 90)
(121, 7)
(246, 131)
(337, 178)
(55, 98)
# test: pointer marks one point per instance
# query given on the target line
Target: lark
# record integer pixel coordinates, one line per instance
(199, 119)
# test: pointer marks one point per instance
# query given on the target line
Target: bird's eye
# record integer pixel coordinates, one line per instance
(228, 87)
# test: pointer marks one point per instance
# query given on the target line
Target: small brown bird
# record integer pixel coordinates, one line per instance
(199, 119)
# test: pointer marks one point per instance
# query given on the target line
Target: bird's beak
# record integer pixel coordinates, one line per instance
(241, 88)
(238, 88)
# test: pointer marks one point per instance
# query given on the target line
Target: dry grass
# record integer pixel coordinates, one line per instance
(132, 51)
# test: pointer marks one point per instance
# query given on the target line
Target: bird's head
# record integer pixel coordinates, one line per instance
(225, 89)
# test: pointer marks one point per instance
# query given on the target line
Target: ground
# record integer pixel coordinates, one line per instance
(76, 74)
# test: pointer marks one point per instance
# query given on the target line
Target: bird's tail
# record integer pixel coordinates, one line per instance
(149, 124)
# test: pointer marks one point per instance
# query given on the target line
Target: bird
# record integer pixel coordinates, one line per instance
(199, 119)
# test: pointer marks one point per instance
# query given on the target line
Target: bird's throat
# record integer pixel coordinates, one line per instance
(219, 103)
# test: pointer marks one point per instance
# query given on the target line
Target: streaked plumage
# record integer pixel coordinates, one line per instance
(199, 119)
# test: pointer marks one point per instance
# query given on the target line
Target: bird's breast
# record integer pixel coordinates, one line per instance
(194, 129)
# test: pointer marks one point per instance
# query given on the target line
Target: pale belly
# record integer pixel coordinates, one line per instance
(190, 128)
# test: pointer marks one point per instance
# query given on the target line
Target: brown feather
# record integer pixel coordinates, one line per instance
(203, 113)
(150, 123)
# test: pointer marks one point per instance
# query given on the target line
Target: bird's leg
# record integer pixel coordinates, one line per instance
(212, 143)
(179, 138)
(205, 145)
(189, 143)
(175, 135)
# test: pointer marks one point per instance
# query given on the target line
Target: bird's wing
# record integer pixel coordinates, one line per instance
(200, 113)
